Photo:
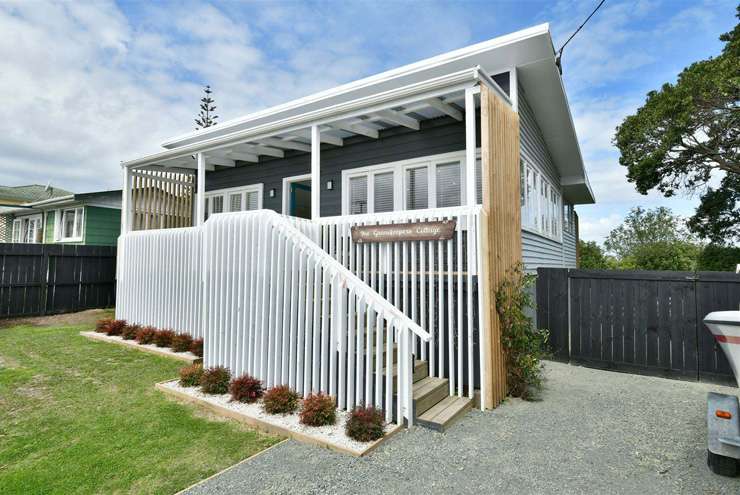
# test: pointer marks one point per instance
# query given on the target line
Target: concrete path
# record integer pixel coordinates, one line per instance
(593, 432)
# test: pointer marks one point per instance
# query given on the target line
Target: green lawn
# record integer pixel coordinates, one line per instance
(78, 416)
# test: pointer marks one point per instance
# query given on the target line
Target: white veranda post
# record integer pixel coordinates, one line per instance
(470, 146)
(315, 172)
(201, 207)
(126, 206)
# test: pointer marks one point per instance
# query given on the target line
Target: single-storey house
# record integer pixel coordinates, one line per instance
(92, 218)
(351, 241)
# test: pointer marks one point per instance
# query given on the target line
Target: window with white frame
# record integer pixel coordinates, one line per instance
(68, 224)
(429, 182)
(28, 229)
(568, 219)
(541, 202)
(242, 198)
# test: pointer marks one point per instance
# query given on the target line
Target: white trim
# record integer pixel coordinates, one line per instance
(229, 191)
(315, 172)
(286, 189)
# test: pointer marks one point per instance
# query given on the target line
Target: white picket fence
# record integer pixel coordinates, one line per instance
(274, 304)
(432, 282)
(158, 279)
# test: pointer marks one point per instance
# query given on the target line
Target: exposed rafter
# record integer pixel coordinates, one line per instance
(398, 118)
(286, 144)
(222, 162)
(260, 150)
(361, 129)
(445, 108)
(324, 137)
(244, 157)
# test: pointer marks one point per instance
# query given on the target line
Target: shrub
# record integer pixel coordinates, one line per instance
(318, 410)
(197, 347)
(129, 332)
(102, 325)
(524, 345)
(365, 424)
(245, 388)
(163, 338)
(146, 335)
(116, 327)
(280, 400)
(181, 342)
(190, 375)
(215, 380)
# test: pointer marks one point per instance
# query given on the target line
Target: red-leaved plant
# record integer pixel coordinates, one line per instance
(129, 332)
(115, 327)
(190, 375)
(102, 325)
(365, 424)
(163, 338)
(181, 342)
(197, 347)
(245, 388)
(280, 400)
(318, 410)
(146, 335)
(215, 380)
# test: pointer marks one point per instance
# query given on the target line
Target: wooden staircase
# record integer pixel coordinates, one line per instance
(433, 407)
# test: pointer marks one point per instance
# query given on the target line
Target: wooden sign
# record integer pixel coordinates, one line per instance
(397, 232)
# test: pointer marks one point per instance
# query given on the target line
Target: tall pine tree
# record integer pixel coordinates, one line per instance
(206, 117)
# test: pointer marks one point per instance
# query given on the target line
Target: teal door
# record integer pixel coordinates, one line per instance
(300, 199)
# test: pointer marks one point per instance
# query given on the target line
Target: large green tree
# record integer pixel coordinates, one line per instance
(591, 256)
(689, 132)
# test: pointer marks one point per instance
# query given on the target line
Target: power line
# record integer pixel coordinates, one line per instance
(559, 53)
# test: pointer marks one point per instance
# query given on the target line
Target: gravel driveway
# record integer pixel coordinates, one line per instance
(593, 432)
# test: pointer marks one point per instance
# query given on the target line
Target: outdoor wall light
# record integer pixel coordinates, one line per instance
(272, 192)
(329, 185)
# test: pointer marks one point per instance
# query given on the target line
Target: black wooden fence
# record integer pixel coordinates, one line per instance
(640, 321)
(38, 279)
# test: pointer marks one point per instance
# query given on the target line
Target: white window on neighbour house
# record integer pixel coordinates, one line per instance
(68, 224)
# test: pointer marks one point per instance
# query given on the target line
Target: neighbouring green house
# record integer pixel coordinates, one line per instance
(92, 218)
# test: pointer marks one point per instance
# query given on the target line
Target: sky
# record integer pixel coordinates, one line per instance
(85, 85)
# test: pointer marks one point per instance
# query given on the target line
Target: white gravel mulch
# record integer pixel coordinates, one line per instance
(164, 351)
(332, 435)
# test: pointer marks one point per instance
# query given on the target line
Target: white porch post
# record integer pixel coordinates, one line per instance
(315, 172)
(514, 89)
(200, 215)
(470, 146)
(126, 206)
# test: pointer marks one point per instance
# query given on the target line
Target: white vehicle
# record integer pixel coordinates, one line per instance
(723, 420)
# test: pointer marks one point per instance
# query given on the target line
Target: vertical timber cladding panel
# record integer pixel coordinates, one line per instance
(162, 199)
(501, 219)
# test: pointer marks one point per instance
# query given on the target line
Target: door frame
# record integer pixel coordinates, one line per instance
(287, 181)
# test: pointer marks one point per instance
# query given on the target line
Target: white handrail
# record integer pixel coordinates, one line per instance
(351, 281)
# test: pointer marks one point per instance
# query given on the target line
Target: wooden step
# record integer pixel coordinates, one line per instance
(440, 416)
(421, 371)
(427, 392)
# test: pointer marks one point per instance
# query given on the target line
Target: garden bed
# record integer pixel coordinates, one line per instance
(188, 357)
(331, 437)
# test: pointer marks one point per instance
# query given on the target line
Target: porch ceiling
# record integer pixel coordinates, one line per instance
(407, 106)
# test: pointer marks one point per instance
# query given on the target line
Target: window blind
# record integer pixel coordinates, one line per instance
(449, 187)
(253, 200)
(235, 202)
(383, 193)
(417, 188)
(358, 195)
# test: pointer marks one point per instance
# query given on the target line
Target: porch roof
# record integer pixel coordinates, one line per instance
(402, 96)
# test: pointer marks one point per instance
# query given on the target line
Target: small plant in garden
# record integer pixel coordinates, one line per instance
(190, 375)
(245, 388)
(129, 332)
(102, 325)
(318, 410)
(181, 342)
(365, 424)
(115, 327)
(146, 335)
(280, 400)
(163, 338)
(197, 347)
(524, 345)
(215, 380)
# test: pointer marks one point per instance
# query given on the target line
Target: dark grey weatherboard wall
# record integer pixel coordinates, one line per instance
(538, 250)
(442, 135)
